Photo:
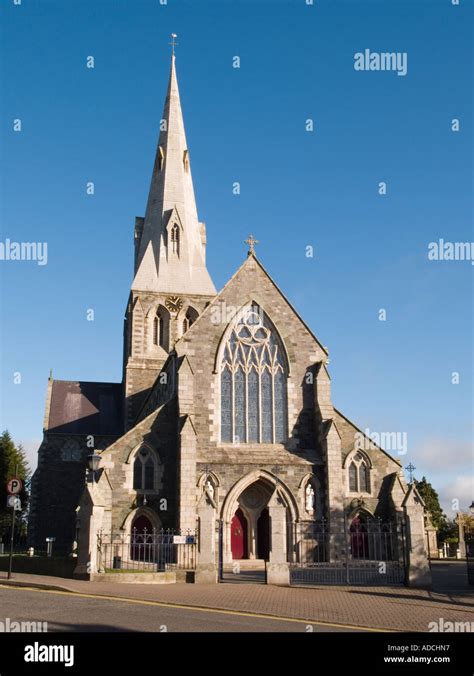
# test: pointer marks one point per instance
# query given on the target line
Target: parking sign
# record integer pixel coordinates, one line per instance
(14, 486)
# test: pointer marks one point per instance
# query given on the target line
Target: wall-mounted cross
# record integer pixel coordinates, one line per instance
(410, 468)
(251, 241)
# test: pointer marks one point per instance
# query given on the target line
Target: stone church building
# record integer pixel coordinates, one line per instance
(224, 423)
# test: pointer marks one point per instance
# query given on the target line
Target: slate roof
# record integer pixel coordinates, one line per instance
(86, 408)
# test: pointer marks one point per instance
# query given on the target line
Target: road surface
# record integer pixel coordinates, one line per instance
(65, 611)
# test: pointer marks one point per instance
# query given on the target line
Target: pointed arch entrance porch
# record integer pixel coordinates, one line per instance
(246, 516)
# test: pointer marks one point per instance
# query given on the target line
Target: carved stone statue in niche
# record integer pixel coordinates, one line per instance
(209, 489)
(309, 498)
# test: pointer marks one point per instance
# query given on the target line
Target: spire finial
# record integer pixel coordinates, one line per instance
(251, 241)
(173, 42)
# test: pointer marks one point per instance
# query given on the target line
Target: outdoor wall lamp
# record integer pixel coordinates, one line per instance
(93, 462)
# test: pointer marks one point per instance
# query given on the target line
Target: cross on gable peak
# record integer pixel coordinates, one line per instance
(251, 241)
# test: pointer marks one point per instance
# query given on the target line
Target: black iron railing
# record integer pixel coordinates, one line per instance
(152, 551)
(372, 552)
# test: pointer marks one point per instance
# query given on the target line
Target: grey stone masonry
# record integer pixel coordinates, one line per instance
(253, 466)
(144, 356)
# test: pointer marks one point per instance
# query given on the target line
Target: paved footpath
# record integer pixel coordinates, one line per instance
(389, 608)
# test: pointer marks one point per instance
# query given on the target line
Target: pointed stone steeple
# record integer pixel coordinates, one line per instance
(170, 242)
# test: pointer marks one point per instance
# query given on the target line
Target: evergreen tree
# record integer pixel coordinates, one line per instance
(13, 462)
(431, 499)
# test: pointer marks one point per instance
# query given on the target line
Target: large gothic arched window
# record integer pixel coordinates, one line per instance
(253, 371)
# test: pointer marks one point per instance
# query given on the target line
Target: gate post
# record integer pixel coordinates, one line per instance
(419, 573)
(462, 543)
(334, 494)
(220, 551)
(90, 515)
(277, 568)
(206, 570)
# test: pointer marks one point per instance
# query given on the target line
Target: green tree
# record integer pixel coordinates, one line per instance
(448, 531)
(431, 499)
(13, 462)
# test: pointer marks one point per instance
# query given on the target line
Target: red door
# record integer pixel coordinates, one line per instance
(359, 539)
(238, 536)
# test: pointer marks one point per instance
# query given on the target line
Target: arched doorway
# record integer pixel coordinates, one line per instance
(359, 537)
(239, 535)
(141, 540)
(251, 495)
(263, 535)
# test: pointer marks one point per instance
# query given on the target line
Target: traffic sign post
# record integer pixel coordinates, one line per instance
(14, 487)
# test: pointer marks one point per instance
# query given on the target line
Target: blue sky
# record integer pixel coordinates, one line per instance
(298, 188)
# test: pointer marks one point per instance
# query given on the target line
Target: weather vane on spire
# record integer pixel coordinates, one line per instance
(251, 241)
(173, 42)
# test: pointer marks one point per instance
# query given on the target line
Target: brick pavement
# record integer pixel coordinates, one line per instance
(392, 608)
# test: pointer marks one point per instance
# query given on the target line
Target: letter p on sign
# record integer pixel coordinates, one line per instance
(14, 486)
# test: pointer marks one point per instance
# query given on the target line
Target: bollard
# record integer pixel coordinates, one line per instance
(49, 546)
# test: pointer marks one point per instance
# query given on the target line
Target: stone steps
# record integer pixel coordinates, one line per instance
(245, 564)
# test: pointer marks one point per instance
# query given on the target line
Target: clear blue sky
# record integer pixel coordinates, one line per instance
(297, 189)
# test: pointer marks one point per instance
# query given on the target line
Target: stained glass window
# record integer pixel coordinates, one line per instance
(226, 404)
(267, 406)
(280, 407)
(239, 405)
(253, 416)
(359, 474)
(254, 373)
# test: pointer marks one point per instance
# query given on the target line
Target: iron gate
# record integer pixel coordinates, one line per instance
(153, 551)
(372, 552)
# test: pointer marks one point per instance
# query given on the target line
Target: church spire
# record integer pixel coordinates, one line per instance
(170, 242)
